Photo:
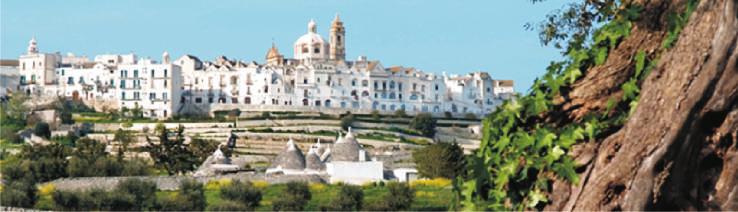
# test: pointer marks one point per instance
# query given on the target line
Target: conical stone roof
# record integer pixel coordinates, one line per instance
(313, 161)
(291, 158)
(346, 148)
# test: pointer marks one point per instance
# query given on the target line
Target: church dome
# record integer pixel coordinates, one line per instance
(311, 45)
(292, 158)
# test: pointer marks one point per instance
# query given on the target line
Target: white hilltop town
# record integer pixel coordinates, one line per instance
(317, 79)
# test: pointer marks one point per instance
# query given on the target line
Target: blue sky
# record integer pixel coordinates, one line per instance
(435, 36)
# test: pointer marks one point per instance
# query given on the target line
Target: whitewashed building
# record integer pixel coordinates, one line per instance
(317, 78)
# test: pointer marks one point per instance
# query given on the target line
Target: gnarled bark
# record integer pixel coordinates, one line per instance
(678, 150)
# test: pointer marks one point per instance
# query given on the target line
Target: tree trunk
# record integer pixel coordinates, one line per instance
(677, 151)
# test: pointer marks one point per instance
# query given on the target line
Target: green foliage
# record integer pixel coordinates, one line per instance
(228, 205)
(375, 115)
(295, 198)
(399, 113)
(171, 154)
(142, 193)
(400, 196)
(425, 123)
(440, 160)
(128, 195)
(190, 197)
(520, 154)
(203, 148)
(349, 198)
(42, 129)
(470, 116)
(347, 121)
(243, 193)
(18, 193)
(89, 159)
(677, 23)
(37, 163)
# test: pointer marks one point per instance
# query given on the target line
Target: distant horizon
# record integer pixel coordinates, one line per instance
(434, 37)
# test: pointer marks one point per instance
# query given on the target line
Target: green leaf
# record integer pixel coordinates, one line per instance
(523, 139)
(630, 89)
(640, 62)
(565, 169)
(535, 197)
(544, 138)
(601, 55)
(572, 75)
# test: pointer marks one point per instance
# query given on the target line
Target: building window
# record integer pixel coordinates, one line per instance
(165, 83)
(399, 86)
(152, 96)
(364, 83)
(152, 73)
(123, 95)
(210, 99)
(316, 51)
(70, 81)
(198, 100)
(135, 73)
(437, 88)
(122, 84)
(165, 73)
(304, 81)
(234, 100)
(164, 96)
(392, 84)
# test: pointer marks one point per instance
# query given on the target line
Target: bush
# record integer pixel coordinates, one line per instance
(349, 198)
(66, 118)
(142, 192)
(8, 133)
(400, 196)
(42, 129)
(347, 121)
(193, 194)
(399, 113)
(242, 192)
(20, 193)
(470, 116)
(424, 123)
(265, 115)
(440, 160)
(229, 205)
(295, 197)
(375, 115)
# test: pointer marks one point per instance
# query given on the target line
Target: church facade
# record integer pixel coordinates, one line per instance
(318, 77)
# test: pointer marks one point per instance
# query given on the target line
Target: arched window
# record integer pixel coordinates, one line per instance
(365, 93)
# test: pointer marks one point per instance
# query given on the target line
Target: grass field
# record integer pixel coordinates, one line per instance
(430, 195)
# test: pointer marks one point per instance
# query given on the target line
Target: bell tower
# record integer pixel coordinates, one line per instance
(337, 40)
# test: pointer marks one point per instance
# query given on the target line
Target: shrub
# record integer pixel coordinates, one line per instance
(400, 196)
(295, 197)
(8, 133)
(265, 115)
(229, 205)
(349, 198)
(66, 117)
(440, 160)
(20, 193)
(194, 195)
(470, 116)
(424, 123)
(375, 115)
(399, 113)
(143, 193)
(347, 121)
(42, 129)
(242, 192)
